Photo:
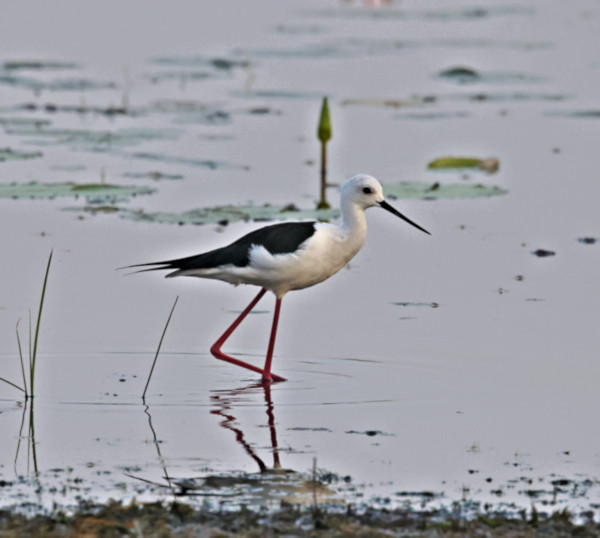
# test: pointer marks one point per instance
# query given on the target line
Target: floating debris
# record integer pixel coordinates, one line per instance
(542, 253)
(587, 240)
(371, 433)
(407, 303)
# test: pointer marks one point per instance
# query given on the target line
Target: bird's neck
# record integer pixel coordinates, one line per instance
(354, 221)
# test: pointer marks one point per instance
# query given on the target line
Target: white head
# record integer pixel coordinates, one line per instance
(365, 191)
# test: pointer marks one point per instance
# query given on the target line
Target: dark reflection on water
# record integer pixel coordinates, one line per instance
(225, 401)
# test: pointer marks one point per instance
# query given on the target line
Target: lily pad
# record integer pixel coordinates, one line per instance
(37, 65)
(154, 175)
(93, 192)
(173, 159)
(440, 191)
(454, 162)
(468, 75)
(65, 84)
(7, 154)
(88, 140)
(439, 14)
(489, 165)
(224, 64)
(230, 213)
(27, 123)
(267, 212)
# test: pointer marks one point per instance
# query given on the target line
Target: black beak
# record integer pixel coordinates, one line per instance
(394, 211)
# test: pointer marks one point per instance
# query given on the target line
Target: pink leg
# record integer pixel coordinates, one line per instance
(267, 376)
(216, 347)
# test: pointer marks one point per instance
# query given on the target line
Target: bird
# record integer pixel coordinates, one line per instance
(284, 257)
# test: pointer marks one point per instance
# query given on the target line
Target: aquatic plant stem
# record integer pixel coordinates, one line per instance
(32, 438)
(158, 349)
(37, 328)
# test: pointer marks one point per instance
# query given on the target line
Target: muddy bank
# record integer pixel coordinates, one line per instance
(179, 519)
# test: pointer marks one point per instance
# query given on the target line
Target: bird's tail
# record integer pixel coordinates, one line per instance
(167, 265)
(176, 265)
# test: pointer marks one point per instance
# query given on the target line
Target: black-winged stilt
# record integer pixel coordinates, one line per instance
(286, 256)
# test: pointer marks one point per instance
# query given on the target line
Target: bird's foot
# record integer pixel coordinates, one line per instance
(267, 377)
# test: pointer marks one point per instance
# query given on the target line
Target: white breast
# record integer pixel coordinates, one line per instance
(328, 250)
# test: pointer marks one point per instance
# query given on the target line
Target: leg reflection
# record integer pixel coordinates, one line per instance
(225, 402)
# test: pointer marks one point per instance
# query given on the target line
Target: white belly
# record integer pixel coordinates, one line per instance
(322, 255)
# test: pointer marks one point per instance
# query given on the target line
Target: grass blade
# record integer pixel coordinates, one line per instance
(21, 359)
(11, 383)
(158, 349)
(37, 326)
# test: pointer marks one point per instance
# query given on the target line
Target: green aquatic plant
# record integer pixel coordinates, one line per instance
(162, 337)
(28, 390)
(324, 135)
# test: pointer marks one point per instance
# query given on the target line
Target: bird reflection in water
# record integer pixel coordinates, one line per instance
(225, 403)
(272, 485)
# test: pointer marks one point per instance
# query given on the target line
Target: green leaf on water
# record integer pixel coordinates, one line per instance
(7, 154)
(440, 191)
(93, 192)
(454, 162)
(230, 213)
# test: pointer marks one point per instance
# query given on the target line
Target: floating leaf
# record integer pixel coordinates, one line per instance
(155, 175)
(454, 162)
(96, 141)
(26, 123)
(7, 154)
(173, 159)
(468, 75)
(435, 191)
(490, 164)
(36, 65)
(230, 213)
(93, 192)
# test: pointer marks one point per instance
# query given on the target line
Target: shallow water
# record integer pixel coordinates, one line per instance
(456, 367)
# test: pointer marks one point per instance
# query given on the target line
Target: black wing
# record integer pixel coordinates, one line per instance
(281, 238)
